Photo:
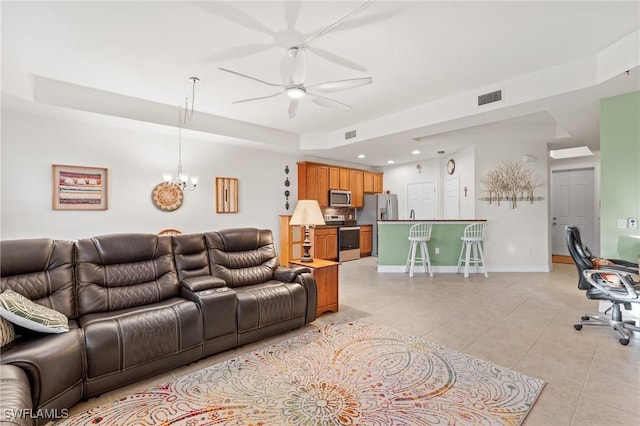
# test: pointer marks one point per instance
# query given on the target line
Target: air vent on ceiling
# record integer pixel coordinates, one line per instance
(350, 134)
(490, 97)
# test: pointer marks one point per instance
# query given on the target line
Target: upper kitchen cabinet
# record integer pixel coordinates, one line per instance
(356, 178)
(316, 179)
(334, 177)
(372, 182)
(345, 182)
(377, 183)
(313, 182)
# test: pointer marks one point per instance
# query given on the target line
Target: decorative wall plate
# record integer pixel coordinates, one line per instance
(167, 196)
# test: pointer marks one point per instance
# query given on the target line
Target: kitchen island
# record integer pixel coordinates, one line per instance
(393, 243)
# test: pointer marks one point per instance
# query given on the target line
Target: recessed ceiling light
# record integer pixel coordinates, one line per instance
(580, 151)
(415, 152)
(390, 162)
(361, 156)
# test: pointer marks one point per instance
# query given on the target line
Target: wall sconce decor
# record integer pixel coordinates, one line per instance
(511, 181)
(286, 184)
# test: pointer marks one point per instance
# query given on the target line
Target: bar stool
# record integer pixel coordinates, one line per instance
(472, 238)
(419, 234)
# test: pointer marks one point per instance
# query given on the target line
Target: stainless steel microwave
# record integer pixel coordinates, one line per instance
(339, 198)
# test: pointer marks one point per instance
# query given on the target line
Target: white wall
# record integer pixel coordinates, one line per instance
(516, 239)
(397, 178)
(136, 160)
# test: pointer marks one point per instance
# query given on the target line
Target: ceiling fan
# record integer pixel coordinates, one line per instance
(296, 89)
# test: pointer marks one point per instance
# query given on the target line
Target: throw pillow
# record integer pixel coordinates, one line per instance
(7, 333)
(23, 312)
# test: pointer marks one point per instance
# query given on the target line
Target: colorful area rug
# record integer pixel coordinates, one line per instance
(349, 373)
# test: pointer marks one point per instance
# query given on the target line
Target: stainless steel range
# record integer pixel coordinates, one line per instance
(348, 237)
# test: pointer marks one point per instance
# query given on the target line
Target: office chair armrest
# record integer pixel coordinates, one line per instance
(625, 264)
(601, 283)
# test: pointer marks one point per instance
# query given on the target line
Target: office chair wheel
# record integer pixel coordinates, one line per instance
(577, 326)
(585, 318)
(623, 341)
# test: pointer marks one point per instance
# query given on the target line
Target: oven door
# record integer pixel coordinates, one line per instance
(348, 243)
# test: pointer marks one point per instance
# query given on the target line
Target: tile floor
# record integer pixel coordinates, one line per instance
(523, 321)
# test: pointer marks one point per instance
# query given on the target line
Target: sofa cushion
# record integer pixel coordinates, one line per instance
(130, 344)
(242, 256)
(41, 270)
(120, 271)
(265, 304)
(21, 311)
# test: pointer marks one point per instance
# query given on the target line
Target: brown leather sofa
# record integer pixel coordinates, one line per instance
(139, 305)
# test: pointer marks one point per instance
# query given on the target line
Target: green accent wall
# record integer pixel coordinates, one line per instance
(619, 175)
(393, 243)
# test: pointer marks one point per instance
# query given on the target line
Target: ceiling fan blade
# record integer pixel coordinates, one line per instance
(335, 24)
(293, 107)
(336, 59)
(251, 78)
(328, 103)
(257, 99)
(238, 52)
(231, 14)
(339, 85)
(368, 20)
(291, 13)
(299, 70)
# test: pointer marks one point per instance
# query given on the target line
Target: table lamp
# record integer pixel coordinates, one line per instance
(307, 214)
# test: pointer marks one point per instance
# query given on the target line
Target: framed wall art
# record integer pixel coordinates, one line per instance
(226, 195)
(79, 188)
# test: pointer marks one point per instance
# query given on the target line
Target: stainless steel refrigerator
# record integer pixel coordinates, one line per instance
(377, 207)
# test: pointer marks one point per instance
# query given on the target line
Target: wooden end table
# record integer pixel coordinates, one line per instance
(325, 273)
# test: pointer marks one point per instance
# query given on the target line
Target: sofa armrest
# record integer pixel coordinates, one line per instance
(289, 275)
(204, 282)
(309, 283)
(218, 308)
(15, 396)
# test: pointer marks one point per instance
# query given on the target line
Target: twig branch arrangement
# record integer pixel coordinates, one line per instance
(510, 181)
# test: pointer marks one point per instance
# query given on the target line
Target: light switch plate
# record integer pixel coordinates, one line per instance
(633, 223)
(622, 224)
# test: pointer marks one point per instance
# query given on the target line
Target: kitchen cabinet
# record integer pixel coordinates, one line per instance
(377, 183)
(367, 182)
(325, 273)
(334, 177)
(316, 179)
(366, 233)
(357, 193)
(291, 238)
(313, 183)
(325, 243)
(344, 180)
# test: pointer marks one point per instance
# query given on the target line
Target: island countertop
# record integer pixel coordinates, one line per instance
(444, 246)
(443, 221)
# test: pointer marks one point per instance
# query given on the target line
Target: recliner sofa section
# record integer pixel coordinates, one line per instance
(139, 305)
(42, 270)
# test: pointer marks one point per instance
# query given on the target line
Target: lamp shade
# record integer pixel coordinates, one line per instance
(307, 212)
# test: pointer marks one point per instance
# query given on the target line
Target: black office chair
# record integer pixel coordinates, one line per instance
(612, 282)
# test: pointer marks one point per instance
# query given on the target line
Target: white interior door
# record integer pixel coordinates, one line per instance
(573, 203)
(451, 207)
(421, 198)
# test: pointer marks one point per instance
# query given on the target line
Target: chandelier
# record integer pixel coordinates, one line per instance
(183, 180)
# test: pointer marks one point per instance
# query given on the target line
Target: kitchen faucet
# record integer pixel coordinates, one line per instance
(412, 214)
